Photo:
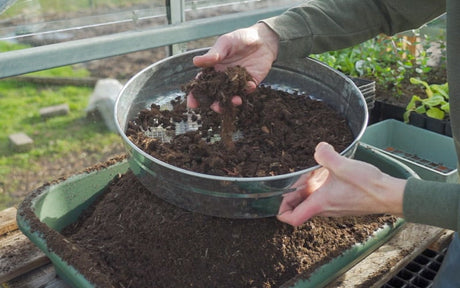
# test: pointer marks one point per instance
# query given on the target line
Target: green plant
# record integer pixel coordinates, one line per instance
(387, 60)
(434, 105)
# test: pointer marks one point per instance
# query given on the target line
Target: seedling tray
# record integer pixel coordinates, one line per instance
(431, 155)
(420, 272)
(60, 203)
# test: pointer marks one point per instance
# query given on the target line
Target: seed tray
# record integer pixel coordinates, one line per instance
(420, 272)
(431, 155)
(59, 204)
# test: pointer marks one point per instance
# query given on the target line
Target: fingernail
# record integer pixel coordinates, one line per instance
(323, 145)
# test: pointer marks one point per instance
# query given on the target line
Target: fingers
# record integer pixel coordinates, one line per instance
(237, 100)
(191, 101)
(290, 201)
(298, 214)
(206, 60)
(252, 85)
(303, 204)
(215, 54)
(297, 207)
(216, 107)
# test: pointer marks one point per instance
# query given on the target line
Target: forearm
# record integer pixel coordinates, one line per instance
(326, 25)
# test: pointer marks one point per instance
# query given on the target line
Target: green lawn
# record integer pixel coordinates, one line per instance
(54, 138)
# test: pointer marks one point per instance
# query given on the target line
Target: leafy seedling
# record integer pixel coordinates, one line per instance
(435, 104)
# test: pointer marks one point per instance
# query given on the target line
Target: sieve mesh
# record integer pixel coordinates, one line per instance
(182, 127)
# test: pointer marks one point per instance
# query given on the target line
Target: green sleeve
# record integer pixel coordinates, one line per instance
(438, 203)
(432, 203)
(326, 25)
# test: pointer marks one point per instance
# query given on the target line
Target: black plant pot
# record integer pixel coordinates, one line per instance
(432, 124)
(435, 125)
(375, 113)
(418, 120)
(383, 110)
(391, 111)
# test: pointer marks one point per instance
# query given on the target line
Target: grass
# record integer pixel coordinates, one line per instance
(53, 138)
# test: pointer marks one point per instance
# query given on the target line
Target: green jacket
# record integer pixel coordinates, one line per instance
(326, 25)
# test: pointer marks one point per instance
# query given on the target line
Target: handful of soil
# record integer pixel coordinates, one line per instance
(220, 86)
(277, 131)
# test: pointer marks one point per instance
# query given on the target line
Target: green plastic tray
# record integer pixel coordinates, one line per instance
(59, 204)
(429, 154)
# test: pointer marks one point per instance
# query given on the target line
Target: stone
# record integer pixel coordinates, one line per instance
(20, 142)
(102, 101)
(56, 110)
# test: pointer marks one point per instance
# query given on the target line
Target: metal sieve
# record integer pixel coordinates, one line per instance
(231, 197)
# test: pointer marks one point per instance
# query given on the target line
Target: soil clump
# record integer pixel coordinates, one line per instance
(276, 131)
(220, 87)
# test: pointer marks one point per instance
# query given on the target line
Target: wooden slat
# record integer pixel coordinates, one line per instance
(44, 277)
(18, 256)
(443, 241)
(390, 258)
(8, 220)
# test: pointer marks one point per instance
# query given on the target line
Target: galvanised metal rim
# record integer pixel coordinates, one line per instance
(349, 151)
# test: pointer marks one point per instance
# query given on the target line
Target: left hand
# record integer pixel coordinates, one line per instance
(255, 48)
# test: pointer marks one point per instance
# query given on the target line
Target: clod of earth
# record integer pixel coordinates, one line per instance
(277, 131)
(220, 86)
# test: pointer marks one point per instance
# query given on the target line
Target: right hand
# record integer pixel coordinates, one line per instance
(342, 187)
(254, 48)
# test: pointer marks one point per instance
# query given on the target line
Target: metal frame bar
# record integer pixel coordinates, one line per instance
(27, 60)
(176, 15)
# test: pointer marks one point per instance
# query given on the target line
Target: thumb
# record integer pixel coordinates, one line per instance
(326, 156)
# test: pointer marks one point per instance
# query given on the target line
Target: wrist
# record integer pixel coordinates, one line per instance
(391, 194)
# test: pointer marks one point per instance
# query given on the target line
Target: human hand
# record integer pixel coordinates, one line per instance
(342, 187)
(254, 48)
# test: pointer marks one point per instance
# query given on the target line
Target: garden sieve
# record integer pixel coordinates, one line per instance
(231, 197)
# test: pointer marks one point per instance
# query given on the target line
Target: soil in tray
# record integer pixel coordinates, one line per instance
(131, 238)
(278, 131)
